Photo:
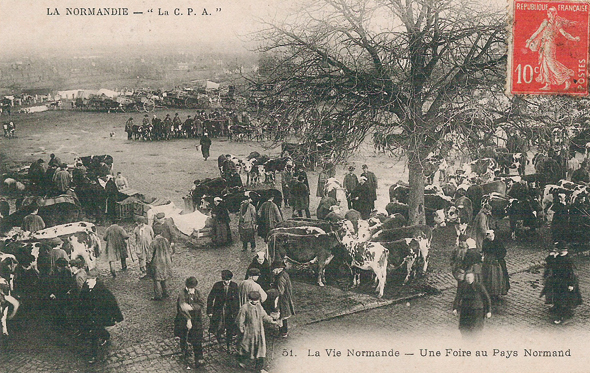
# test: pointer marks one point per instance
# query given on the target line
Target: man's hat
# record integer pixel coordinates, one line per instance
(253, 272)
(191, 282)
(278, 264)
(226, 274)
(160, 215)
(350, 168)
(365, 166)
(254, 295)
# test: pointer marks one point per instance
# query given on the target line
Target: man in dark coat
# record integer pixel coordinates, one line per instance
(112, 194)
(372, 184)
(161, 226)
(188, 324)
(37, 174)
(205, 145)
(223, 304)
(98, 308)
(350, 183)
(33, 222)
(116, 249)
(473, 304)
(283, 285)
(269, 216)
(260, 262)
(300, 197)
(361, 198)
(221, 220)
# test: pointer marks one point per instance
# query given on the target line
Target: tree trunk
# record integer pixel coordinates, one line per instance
(416, 181)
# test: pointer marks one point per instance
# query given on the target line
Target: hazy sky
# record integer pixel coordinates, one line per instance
(25, 25)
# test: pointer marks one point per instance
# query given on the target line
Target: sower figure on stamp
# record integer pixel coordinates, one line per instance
(552, 72)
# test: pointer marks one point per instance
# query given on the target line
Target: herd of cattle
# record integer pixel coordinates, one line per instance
(20, 253)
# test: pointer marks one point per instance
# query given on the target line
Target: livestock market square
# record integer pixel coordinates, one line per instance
(337, 186)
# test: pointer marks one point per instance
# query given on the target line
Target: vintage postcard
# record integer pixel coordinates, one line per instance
(166, 139)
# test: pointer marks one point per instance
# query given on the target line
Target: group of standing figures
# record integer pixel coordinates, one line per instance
(482, 280)
(241, 310)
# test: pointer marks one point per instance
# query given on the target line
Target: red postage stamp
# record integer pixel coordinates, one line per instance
(549, 49)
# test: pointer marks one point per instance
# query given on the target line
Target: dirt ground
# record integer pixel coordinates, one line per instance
(167, 169)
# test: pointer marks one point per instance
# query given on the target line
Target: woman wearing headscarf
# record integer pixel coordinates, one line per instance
(493, 270)
(473, 304)
(221, 230)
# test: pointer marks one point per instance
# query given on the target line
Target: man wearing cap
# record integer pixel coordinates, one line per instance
(54, 161)
(300, 197)
(144, 235)
(161, 226)
(350, 183)
(223, 304)
(188, 324)
(205, 143)
(116, 248)
(286, 182)
(329, 171)
(251, 284)
(62, 179)
(247, 224)
(269, 216)
(37, 173)
(129, 128)
(260, 262)
(481, 224)
(372, 184)
(250, 322)
(160, 262)
(282, 283)
(33, 222)
(361, 198)
(121, 181)
(221, 230)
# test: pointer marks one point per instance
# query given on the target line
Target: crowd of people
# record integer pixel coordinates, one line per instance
(215, 123)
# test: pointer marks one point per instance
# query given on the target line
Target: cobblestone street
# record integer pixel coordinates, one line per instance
(317, 325)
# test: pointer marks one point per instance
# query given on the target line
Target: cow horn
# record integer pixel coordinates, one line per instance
(15, 304)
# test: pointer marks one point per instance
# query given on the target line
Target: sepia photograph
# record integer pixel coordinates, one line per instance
(294, 186)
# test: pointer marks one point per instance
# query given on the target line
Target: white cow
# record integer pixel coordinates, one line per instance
(367, 256)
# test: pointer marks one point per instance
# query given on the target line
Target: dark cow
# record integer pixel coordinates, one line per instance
(212, 187)
(460, 215)
(394, 221)
(309, 248)
(324, 225)
(406, 253)
(399, 192)
(437, 201)
(413, 231)
(482, 166)
(434, 218)
(475, 193)
(496, 186)
(508, 161)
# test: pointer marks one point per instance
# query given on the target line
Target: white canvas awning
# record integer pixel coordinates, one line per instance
(212, 85)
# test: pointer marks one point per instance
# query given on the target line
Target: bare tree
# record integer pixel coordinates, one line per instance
(416, 69)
